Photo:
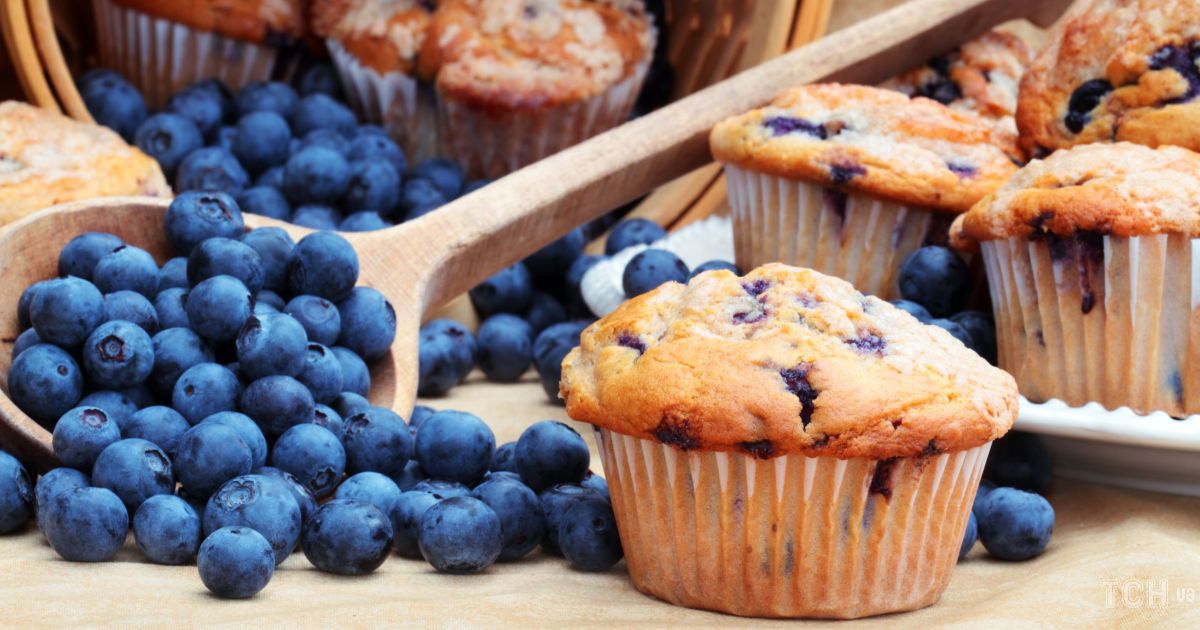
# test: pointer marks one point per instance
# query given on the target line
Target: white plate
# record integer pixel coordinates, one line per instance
(1121, 448)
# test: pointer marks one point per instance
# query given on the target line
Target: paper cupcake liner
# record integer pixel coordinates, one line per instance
(1100, 318)
(854, 237)
(403, 105)
(494, 143)
(705, 40)
(161, 57)
(790, 536)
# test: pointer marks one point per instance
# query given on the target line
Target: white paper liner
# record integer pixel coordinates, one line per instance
(492, 144)
(697, 243)
(1110, 322)
(790, 536)
(161, 57)
(403, 105)
(797, 223)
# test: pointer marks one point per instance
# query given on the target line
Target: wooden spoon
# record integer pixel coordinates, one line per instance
(421, 264)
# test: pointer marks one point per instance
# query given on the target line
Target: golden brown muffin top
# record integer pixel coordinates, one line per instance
(1121, 189)
(47, 159)
(870, 140)
(384, 35)
(259, 21)
(783, 360)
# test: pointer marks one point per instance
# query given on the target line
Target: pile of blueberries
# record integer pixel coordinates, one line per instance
(533, 312)
(295, 154)
(1011, 517)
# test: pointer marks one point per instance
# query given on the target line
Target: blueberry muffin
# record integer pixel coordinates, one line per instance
(981, 76)
(48, 159)
(807, 451)
(849, 180)
(1115, 70)
(165, 45)
(517, 81)
(1091, 259)
(374, 45)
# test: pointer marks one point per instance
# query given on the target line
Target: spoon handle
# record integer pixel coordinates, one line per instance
(475, 236)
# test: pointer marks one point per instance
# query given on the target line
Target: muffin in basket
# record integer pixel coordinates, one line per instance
(517, 81)
(1091, 260)
(164, 45)
(47, 159)
(849, 180)
(781, 445)
(1115, 70)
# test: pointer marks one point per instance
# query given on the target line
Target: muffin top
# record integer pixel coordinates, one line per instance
(1115, 70)
(47, 159)
(509, 55)
(783, 360)
(981, 77)
(384, 35)
(1121, 189)
(870, 140)
(260, 21)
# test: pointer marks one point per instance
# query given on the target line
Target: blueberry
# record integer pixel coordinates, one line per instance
(595, 482)
(455, 445)
(167, 530)
(504, 459)
(16, 494)
(168, 138)
(246, 430)
(196, 216)
(127, 268)
(446, 355)
(320, 78)
(260, 503)
(277, 403)
(349, 403)
(173, 274)
(270, 178)
(100, 78)
(131, 307)
(270, 345)
(651, 268)
(552, 259)
(544, 311)
(65, 311)
(374, 185)
(549, 453)
(224, 256)
(348, 537)
(406, 520)
(356, 378)
(1015, 524)
(313, 455)
(442, 488)
(218, 307)
(45, 382)
(235, 562)
(134, 470)
(316, 217)
(509, 291)
(329, 139)
(323, 264)
(86, 524)
(505, 347)
(118, 354)
(170, 308)
(368, 323)
(521, 522)
(26, 301)
(25, 341)
(549, 350)
(588, 537)
(1083, 100)
(370, 487)
(205, 389)
(445, 175)
(324, 416)
(204, 107)
(982, 331)
(364, 221)
(555, 503)
(319, 111)
(157, 424)
(410, 476)
(304, 498)
(225, 138)
(985, 487)
(116, 105)
(936, 278)
(118, 406)
(209, 455)
(211, 169)
(914, 309)
(269, 299)
(632, 232)
(969, 536)
(715, 265)
(1020, 460)
(267, 96)
(265, 201)
(80, 255)
(376, 147)
(376, 440)
(175, 351)
(48, 486)
(319, 317)
(262, 140)
(460, 535)
(574, 277)
(419, 197)
(321, 373)
(274, 248)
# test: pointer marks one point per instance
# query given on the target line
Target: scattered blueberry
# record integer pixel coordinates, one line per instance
(277, 403)
(81, 434)
(134, 470)
(157, 424)
(505, 347)
(445, 175)
(314, 455)
(168, 138)
(356, 378)
(914, 309)
(274, 248)
(270, 345)
(376, 440)
(218, 307)
(211, 169)
(555, 503)
(260, 503)
(176, 350)
(370, 487)
(348, 537)
(48, 486)
(65, 311)
(446, 355)
(225, 257)
(588, 537)
(209, 455)
(455, 445)
(205, 389)
(549, 350)
(204, 107)
(323, 264)
(118, 354)
(167, 529)
(715, 265)
(127, 268)
(1015, 524)
(460, 535)
(553, 258)
(86, 524)
(406, 520)
(45, 382)
(651, 268)
(969, 536)
(131, 307)
(266, 201)
(521, 522)
(632, 232)
(119, 406)
(246, 430)
(195, 216)
(319, 317)
(549, 453)
(504, 459)
(17, 502)
(319, 111)
(544, 311)
(267, 96)
(936, 278)
(235, 562)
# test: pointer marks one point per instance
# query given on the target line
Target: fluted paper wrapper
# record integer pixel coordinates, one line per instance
(161, 57)
(1104, 319)
(854, 237)
(403, 105)
(790, 536)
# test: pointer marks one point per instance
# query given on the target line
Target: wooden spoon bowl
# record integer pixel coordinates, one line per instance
(421, 264)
